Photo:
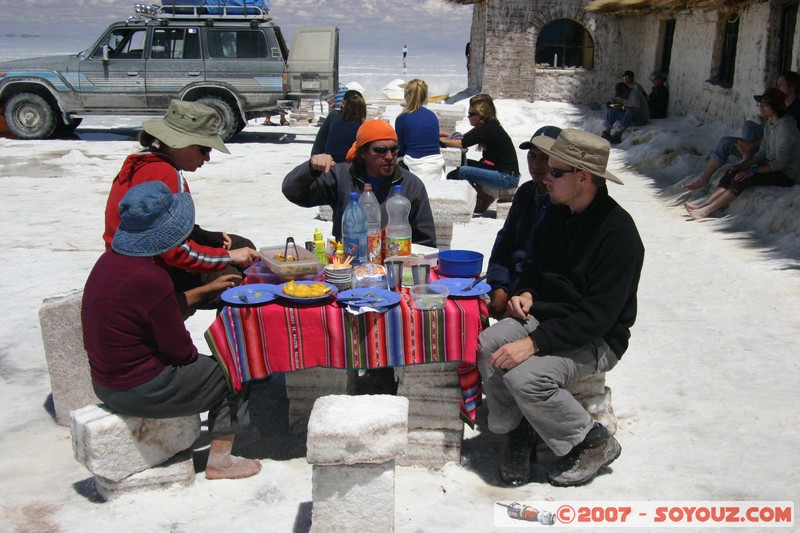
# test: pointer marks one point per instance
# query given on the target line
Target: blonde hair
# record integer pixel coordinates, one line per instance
(483, 105)
(416, 95)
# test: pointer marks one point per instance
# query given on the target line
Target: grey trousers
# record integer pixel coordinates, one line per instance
(537, 388)
(182, 391)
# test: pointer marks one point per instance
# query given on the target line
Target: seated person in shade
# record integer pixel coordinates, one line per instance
(629, 79)
(372, 159)
(789, 83)
(342, 133)
(513, 248)
(744, 147)
(776, 163)
(142, 359)
(629, 108)
(658, 100)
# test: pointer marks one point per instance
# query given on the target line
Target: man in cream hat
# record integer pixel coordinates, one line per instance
(569, 317)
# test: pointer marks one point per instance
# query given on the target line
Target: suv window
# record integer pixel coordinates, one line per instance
(175, 43)
(123, 43)
(237, 44)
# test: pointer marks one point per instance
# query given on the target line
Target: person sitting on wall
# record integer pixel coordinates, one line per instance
(141, 356)
(776, 163)
(744, 147)
(658, 100)
(629, 108)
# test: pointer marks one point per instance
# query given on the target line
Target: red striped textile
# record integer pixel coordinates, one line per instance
(253, 342)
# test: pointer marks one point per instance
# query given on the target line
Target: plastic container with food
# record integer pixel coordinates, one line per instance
(300, 263)
(428, 297)
(369, 275)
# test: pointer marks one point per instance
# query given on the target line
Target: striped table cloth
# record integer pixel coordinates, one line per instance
(253, 342)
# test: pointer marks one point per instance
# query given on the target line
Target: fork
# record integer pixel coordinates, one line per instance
(473, 284)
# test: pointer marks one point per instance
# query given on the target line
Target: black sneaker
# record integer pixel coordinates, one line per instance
(515, 468)
(616, 138)
(606, 135)
(581, 465)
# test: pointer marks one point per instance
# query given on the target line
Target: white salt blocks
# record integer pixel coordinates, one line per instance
(176, 472)
(67, 362)
(305, 386)
(353, 442)
(115, 446)
(435, 428)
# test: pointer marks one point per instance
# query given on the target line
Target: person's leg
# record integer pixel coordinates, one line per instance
(490, 179)
(720, 199)
(187, 390)
(726, 147)
(734, 188)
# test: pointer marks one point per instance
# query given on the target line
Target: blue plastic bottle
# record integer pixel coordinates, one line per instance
(354, 230)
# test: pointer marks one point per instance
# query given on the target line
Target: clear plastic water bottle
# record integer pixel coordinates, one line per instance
(398, 229)
(372, 208)
(354, 230)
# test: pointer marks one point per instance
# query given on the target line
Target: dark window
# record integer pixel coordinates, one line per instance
(729, 35)
(666, 45)
(175, 43)
(788, 22)
(238, 44)
(564, 43)
(123, 43)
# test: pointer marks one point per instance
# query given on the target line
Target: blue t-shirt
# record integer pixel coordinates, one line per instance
(340, 138)
(418, 133)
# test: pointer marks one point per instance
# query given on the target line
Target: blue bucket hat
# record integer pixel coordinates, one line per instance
(153, 220)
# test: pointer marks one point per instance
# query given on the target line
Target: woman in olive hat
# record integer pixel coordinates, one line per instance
(182, 141)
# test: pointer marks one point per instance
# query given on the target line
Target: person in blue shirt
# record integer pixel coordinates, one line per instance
(512, 248)
(342, 133)
(418, 134)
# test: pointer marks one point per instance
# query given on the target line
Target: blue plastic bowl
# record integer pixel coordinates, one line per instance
(460, 263)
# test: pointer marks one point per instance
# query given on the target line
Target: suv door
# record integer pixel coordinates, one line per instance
(313, 66)
(175, 62)
(119, 82)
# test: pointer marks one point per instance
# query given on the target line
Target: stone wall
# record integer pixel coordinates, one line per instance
(504, 34)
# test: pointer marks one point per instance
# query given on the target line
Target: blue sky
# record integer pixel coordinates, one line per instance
(428, 27)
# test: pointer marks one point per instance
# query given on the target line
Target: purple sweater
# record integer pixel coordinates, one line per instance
(132, 324)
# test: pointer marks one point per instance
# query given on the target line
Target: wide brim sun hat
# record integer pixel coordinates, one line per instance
(186, 124)
(153, 220)
(579, 149)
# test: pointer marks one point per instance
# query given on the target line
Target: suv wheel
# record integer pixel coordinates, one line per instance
(229, 119)
(29, 116)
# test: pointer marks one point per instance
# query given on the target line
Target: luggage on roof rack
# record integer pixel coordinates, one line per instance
(214, 8)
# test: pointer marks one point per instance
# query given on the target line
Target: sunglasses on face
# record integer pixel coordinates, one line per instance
(558, 172)
(381, 150)
(204, 150)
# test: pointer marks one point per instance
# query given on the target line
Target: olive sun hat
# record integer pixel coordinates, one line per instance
(186, 124)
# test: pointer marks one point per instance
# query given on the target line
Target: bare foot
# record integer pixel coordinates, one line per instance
(690, 206)
(696, 184)
(238, 468)
(697, 214)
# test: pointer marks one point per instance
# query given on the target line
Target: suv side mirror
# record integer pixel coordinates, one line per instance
(105, 53)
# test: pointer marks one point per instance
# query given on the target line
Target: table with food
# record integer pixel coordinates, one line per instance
(296, 311)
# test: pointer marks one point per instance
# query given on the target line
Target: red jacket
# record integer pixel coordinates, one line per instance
(150, 166)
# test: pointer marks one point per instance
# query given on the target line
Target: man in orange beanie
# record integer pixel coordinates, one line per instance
(372, 159)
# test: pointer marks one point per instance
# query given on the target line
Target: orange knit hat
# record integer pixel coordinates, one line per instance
(371, 130)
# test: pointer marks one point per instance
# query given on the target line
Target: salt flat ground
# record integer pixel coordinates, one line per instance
(706, 396)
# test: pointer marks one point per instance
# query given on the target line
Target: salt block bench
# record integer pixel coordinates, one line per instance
(67, 361)
(353, 443)
(126, 452)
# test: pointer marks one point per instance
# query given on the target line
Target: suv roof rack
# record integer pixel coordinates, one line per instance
(179, 11)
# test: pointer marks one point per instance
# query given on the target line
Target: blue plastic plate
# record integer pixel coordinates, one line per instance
(455, 285)
(368, 297)
(252, 294)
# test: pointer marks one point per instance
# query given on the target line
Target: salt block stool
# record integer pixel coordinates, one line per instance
(353, 443)
(67, 362)
(115, 446)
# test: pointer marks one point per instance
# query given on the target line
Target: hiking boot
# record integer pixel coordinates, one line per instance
(616, 138)
(515, 468)
(606, 135)
(581, 465)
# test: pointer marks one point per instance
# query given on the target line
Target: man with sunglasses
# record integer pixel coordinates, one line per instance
(372, 159)
(512, 247)
(570, 317)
